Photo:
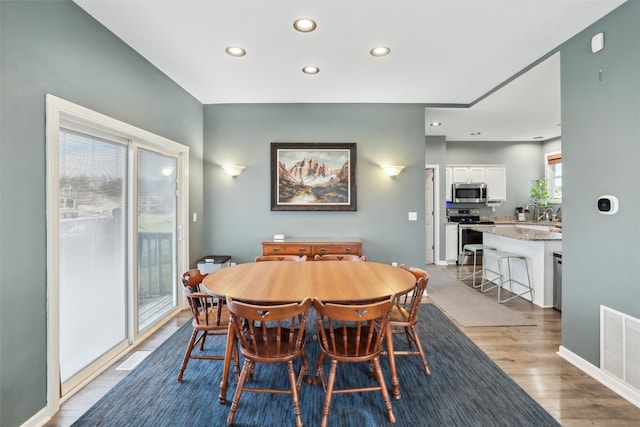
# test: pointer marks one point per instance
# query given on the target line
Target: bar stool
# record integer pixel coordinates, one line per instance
(500, 256)
(473, 247)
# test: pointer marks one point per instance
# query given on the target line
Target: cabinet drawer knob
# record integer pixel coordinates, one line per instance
(302, 250)
(323, 250)
(276, 249)
(348, 250)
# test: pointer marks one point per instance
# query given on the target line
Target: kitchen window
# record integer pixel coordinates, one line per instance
(554, 176)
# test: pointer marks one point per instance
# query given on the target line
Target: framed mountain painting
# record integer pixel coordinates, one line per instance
(314, 176)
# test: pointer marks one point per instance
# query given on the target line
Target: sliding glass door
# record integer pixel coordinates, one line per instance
(157, 229)
(117, 205)
(92, 250)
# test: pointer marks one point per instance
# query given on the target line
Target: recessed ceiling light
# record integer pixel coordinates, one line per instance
(304, 25)
(235, 51)
(538, 137)
(380, 51)
(311, 69)
(476, 133)
(435, 124)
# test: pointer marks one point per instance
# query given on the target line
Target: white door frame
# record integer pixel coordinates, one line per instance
(436, 212)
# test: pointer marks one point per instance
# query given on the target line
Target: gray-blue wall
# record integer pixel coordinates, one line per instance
(55, 47)
(600, 155)
(238, 210)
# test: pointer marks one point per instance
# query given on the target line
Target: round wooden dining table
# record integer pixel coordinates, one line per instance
(287, 281)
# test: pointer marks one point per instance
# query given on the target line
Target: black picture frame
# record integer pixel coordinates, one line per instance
(316, 176)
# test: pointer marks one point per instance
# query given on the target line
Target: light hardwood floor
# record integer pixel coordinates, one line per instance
(527, 354)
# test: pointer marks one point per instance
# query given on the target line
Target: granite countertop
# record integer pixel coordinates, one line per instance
(521, 233)
(513, 221)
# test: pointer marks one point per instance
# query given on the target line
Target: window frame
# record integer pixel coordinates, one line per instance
(548, 175)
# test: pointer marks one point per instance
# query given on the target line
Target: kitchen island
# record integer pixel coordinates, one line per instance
(537, 243)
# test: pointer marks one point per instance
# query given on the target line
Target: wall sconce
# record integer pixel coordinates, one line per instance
(392, 170)
(234, 171)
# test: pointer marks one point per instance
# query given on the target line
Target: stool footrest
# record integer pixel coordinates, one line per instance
(498, 254)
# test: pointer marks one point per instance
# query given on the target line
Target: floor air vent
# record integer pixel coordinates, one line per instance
(133, 361)
(620, 346)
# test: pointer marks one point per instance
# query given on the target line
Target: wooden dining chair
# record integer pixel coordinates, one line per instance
(403, 320)
(270, 334)
(281, 258)
(351, 333)
(335, 257)
(339, 257)
(210, 318)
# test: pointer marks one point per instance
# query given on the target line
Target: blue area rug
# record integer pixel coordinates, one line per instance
(466, 388)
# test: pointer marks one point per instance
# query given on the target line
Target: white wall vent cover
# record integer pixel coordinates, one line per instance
(620, 346)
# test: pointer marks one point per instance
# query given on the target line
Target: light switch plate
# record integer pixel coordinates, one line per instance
(413, 216)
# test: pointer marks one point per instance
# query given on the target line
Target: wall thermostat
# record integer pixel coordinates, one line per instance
(608, 205)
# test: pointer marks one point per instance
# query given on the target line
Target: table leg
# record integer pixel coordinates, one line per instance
(228, 355)
(395, 383)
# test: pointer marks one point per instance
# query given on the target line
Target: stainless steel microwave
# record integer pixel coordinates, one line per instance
(474, 192)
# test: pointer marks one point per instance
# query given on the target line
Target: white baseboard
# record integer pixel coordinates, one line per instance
(603, 377)
(38, 419)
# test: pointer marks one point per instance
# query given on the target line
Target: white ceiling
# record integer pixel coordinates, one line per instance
(442, 52)
(526, 109)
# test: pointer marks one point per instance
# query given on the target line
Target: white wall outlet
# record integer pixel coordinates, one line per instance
(195, 217)
(394, 264)
(413, 216)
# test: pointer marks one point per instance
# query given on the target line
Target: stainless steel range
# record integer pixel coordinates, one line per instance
(467, 219)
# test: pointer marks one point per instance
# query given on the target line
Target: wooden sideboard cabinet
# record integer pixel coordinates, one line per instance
(312, 247)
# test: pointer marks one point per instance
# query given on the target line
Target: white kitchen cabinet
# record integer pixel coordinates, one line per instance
(460, 174)
(496, 179)
(451, 242)
(477, 174)
(468, 174)
(448, 180)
